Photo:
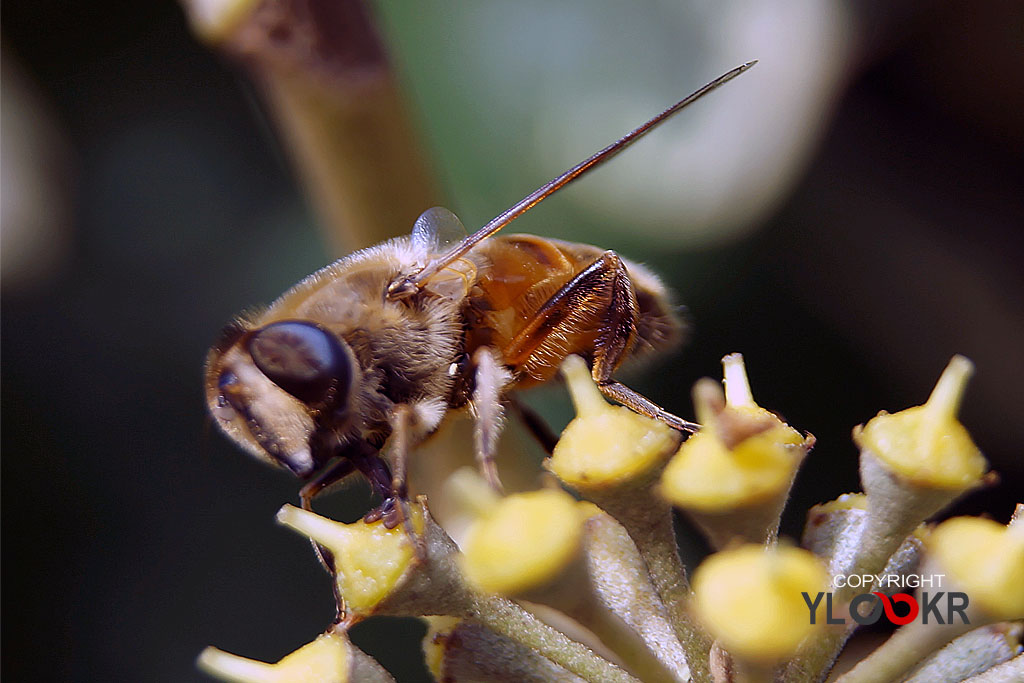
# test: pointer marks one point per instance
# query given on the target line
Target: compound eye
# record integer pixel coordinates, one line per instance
(303, 359)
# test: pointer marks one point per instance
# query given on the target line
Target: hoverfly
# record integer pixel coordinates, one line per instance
(378, 347)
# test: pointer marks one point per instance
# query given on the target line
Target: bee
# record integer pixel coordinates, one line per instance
(373, 351)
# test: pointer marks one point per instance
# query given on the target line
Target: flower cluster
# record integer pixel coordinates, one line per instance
(582, 580)
(550, 587)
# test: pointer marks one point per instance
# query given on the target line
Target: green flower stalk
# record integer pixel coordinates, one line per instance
(834, 531)
(614, 457)
(464, 650)
(1007, 672)
(325, 76)
(971, 654)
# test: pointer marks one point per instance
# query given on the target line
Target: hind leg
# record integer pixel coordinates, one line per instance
(600, 296)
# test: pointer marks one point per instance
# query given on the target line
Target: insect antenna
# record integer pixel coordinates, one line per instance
(412, 283)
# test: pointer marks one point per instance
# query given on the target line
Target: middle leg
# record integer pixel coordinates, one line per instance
(535, 424)
(488, 411)
(618, 330)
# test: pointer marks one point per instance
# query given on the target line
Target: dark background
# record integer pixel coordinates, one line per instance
(133, 535)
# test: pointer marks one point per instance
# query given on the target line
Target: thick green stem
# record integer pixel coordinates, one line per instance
(904, 650)
(648, 520)
(626, 643)
(510, 620)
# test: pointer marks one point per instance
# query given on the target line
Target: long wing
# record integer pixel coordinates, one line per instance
(412, 283)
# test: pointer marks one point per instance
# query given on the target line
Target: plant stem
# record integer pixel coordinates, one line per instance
(510, 620)
(906, 648)
(648, 519)
(325, 74)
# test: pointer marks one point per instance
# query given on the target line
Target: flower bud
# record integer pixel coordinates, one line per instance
(606, 446)
(331, 658)
(979, 557)
(571, 556)
(986, 559)
(383, 571)
(734, 475)
(614, 457)
(523, 542)
(926, 445)
(750, 599)
(369, 559)
(913, 464)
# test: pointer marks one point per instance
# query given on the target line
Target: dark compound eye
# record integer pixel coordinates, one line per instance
(303, 359)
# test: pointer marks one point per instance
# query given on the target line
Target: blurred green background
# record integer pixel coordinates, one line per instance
(847, 215)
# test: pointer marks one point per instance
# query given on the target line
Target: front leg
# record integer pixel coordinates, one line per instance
(334, 473)
(410, 423)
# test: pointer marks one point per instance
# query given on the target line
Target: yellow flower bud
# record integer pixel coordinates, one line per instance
(524, 541)
(926, 444)
(743, 455)
(986, 559)
(330, 658)
(369, 558)
(750, 599)
(844, 503)
(707, 476)
(606, 445)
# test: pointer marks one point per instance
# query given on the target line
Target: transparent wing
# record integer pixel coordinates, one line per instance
(438, 229)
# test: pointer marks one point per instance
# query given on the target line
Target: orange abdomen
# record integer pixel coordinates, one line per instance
(521, 273)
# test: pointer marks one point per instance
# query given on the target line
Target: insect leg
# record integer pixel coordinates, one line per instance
(618, 328)
(491, 378)
(401, 427)
(337, 471)
(638, 403)
(535, 424)
(378, 475)
(395, 509)
(601, 296)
